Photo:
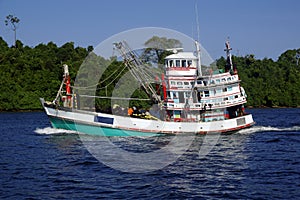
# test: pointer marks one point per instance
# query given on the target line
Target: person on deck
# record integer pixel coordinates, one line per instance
(130, 111)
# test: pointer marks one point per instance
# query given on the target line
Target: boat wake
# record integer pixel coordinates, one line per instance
(52, 131)
(256, 129)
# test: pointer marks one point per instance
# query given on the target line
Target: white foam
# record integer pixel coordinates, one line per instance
(255, 129)
(49, 131)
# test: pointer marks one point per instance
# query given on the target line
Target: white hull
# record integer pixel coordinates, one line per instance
(99, 120)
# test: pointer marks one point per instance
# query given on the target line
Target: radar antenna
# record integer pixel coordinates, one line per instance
(229, 59)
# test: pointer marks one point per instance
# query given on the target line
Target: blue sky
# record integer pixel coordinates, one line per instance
(265, 28)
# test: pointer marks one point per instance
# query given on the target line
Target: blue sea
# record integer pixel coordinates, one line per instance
(262, 162)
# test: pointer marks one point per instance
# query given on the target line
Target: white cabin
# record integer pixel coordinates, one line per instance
(181, 64)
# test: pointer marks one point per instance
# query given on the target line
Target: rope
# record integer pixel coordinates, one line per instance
(118, 98)
(87, 88)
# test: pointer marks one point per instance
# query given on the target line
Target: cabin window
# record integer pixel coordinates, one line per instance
(206, 93)
(223, 80)
(226, 99)
(175, 95)
(171, 63)
(186, 83)
(229, 79)
(184, 63)
(189, 63)
(179, 83)
(217, 81)
(199, 82)
(229, 89)
(178, 63)
(173, 83)
(168, 94)
(212, 81)
(177, 114)
(236, 96)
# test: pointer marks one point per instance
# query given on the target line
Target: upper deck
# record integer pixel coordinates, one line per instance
(181, 64)
(217, 80)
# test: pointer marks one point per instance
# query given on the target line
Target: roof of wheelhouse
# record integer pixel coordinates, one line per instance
(182, 55)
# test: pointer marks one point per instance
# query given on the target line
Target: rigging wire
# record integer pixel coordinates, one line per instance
(117, 98)
(112, 80)
(132, 61)
(92, 86)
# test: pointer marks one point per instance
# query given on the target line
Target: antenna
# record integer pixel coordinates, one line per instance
(228, 49)
(197, 21)
(197, 42)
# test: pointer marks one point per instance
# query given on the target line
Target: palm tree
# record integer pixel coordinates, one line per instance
(13, 21)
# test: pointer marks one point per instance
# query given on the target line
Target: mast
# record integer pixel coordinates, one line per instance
(197, 43)
(199, 69)
(66, 80)
(228, 49)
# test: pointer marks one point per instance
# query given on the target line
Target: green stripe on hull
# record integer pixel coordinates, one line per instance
(95, 130)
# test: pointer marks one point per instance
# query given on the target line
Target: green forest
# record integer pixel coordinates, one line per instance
(28, 73)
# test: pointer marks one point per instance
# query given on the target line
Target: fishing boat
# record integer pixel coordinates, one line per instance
(192, 100)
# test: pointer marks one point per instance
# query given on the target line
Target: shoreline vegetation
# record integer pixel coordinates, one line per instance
(28, 73)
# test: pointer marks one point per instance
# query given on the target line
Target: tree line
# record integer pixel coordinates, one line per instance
(28, 73)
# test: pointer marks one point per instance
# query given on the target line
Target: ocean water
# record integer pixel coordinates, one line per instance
(263, 162)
